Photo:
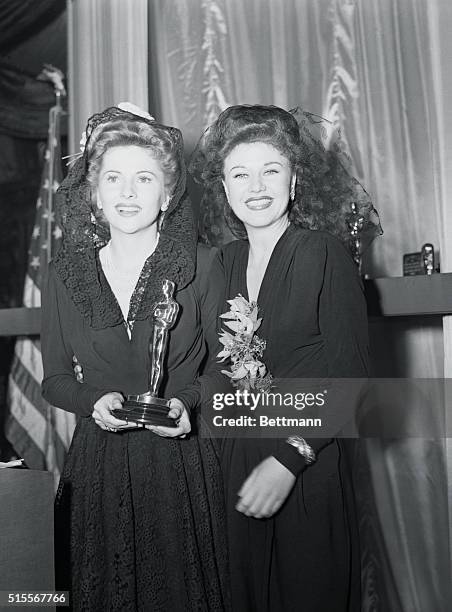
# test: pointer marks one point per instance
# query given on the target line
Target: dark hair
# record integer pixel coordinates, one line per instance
(245, 124)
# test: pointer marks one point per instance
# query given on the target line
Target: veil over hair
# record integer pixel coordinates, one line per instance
(327, 196)
(76, 261)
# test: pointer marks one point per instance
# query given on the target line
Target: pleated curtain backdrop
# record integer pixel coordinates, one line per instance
(368, 67)
(440, 20)
(107, 58)
(379, 70)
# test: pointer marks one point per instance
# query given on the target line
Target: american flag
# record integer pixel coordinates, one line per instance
(38, 432)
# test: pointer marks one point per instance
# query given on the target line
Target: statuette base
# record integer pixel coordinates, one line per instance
(146, 409)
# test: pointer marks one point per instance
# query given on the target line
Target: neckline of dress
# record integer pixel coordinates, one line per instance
(80, 271)
(127, 325)
(268, 269)
(106, 261)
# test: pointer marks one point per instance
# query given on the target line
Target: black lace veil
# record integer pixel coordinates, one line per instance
(327, 196)
(83, 234)
(80, 226)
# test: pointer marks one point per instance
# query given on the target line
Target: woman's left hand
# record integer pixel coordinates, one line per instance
(266, 489)
(179, 413)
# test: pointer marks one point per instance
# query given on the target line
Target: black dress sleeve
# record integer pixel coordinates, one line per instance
(208, 270)
(191, 395)
(59, 386)
(343, 315)
(343, 324)
(209, 284)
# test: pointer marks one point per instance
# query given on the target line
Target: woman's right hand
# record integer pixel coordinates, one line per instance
(102, 413)
(266, 489)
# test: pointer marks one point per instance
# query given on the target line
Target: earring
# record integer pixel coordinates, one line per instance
(292, 188)
(163, 209)
(226, 193)
(161, 219)
(99, 204)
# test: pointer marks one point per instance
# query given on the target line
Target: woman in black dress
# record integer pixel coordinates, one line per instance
(145, 512)
(293, 541)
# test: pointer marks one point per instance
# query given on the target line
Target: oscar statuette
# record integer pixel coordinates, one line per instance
(355, 223)
(148, 408)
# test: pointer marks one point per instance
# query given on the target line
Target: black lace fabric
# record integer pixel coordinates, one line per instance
(140, 519)
(327, 196)
(147, 530)
(83, 235)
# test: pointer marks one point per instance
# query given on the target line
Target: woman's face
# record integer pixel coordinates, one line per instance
(257, 180)
(131, 188)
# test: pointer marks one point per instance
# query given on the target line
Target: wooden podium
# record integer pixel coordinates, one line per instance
(26, 531)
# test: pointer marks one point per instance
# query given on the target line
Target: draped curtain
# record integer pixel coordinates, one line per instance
(439, 21)
(379, 71)
(19, 19)
(375, 69)
(108, 58)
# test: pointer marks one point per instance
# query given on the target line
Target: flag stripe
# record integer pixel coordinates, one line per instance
(24, 445)
(32, 294)
(26, 414)
(28, 385)
(48, 428)
(62, 422)
(30, 357)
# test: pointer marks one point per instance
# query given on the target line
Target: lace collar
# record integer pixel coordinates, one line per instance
(83, 277)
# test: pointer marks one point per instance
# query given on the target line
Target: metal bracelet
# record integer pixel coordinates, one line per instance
(302, 447)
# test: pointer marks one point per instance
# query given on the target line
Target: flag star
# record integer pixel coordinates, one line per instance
(39, 203)
(55, 142)
(45, 185)
(44, 246)
(47, 155)
(56, 184)
(45, 215)
(35, 263)
(57, 233)
(36, 231)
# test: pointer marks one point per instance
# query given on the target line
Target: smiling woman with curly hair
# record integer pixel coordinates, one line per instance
(143, 505)
(290, 510)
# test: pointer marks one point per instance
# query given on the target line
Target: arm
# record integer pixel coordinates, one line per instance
(59, 386)
(343, 324)
(343, 315)
(209, 288)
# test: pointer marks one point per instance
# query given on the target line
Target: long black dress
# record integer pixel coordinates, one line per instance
(145, 512)
(306, 557)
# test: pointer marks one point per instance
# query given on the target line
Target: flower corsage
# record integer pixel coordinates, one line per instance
(243, 346)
